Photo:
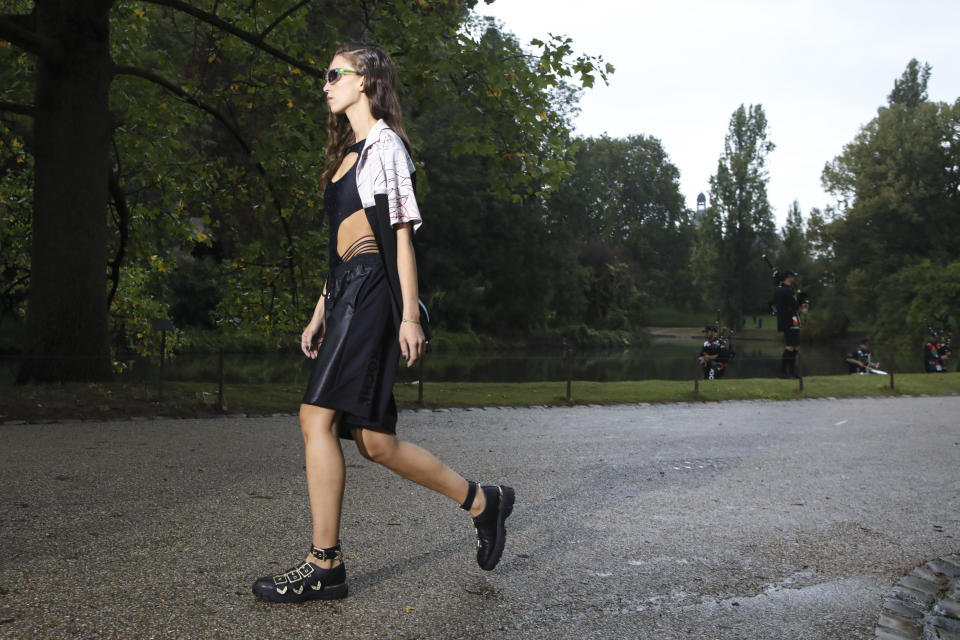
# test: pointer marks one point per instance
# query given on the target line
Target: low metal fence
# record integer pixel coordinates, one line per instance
(565, 367)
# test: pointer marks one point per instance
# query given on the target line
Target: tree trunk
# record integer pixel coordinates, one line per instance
(67, 317)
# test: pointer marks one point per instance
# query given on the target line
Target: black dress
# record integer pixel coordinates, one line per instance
(357, 360)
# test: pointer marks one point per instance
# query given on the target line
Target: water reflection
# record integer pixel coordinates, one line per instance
(662, 359)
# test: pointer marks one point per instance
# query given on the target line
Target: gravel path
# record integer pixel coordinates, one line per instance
(738, 520)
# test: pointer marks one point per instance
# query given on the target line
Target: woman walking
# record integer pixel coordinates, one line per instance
(366, 319)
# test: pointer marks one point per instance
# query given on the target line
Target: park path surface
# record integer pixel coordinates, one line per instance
(735, 520)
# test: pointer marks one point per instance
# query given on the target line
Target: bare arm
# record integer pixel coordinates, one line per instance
(410, 336)
(312, 334)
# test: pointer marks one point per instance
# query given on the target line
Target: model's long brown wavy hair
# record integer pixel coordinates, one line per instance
(380, 84)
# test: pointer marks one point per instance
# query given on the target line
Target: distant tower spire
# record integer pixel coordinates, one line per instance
(701, 208)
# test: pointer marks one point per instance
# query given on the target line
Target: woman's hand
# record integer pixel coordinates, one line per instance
(412, 341)
(311, 337)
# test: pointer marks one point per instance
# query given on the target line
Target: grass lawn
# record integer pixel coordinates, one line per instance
(188, 399)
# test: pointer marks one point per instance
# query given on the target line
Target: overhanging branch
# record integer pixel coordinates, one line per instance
(186, 97)
(246, 36)
(283, 16)
(17, 30)
(16, 107)
(235, 132)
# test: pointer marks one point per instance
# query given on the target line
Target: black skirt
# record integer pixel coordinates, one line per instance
(356, 363)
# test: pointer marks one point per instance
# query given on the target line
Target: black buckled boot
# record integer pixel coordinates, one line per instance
(306, 581)
(491, 532)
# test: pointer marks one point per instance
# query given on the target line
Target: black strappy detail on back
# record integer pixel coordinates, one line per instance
(341, 199)
(364, 244)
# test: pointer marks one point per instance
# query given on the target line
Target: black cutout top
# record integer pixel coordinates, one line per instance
(341, 199)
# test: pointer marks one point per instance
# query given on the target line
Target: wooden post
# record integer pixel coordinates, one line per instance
(162, 325)
(799, 372)
(569, 354)
(163, 354)
(893, 364)
(221, 404)
(696, 375)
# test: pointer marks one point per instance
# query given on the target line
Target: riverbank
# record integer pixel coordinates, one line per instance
(114, 401)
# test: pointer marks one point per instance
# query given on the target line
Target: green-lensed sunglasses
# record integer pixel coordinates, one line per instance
(335, 74)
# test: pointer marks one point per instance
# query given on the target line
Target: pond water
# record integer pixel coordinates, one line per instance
(663, 359)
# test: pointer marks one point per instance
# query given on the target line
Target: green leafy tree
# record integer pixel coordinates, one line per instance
(819, 279)
(794, 251)
(706, 259)
(738, 194)
(924, 295)
(898, 192)
(623, 207)
(910, 89)
(195, 128)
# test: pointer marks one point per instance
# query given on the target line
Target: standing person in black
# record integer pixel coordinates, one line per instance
(788, 310)
(366, 319)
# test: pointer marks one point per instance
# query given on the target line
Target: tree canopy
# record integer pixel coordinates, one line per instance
(898, 190)
(161, 160)
(169, 144)
(738, 229)
(624, 217)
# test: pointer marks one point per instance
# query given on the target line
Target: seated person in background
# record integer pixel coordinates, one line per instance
(860, 361)
(711, 354)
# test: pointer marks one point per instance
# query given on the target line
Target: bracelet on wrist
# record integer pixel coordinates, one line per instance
(411, 321)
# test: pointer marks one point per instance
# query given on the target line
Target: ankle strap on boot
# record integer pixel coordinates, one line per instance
(471, 494)
(330, 553)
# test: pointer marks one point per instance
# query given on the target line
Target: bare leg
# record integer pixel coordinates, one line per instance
(325, 475)
(415, 464)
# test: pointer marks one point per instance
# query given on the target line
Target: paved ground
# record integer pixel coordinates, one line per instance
(738, 520)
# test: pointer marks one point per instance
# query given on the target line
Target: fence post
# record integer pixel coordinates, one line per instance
(799, 372)
(221, 405)
(893, 364)
(696, 375)
(162, 325)
(569, 354)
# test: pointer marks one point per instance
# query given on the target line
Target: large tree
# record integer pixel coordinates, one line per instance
(794, 252)
(897, 186)
(742, 218)
(195, 124)
(496, 261)
(625, 217)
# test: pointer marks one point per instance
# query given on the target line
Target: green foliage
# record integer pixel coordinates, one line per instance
(706, 260)
(494, 129)
(218, 150)
(898, 191)
(585, 337)
(622, 214)
(16, 183)
(136, 304)
(919, 297)
(511, 107)
(794, 251)
(910, 88)
(740, 227)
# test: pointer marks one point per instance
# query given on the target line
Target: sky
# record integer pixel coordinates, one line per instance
(820, 69)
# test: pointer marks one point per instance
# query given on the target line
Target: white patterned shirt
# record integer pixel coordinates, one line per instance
(385, 167)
